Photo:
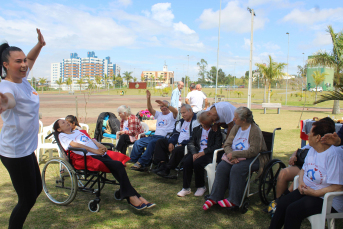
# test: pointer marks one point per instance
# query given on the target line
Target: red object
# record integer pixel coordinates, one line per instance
(137, 85)
(94, 164)
(303, 136)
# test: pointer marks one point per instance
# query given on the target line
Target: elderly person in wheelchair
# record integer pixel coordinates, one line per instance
(241, 147)
(130, 128)
(75, 138)
(321, 173)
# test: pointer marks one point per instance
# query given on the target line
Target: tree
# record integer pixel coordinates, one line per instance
(333, 60)
(59, 82)
(42, 81)
(80, 82)
(202, 70)
(318, 78)
(89, 82)
(106, 78)
(135, 79)
(127, 76)
(69, 83)
(211, 75)
(271, 71)
(98, 80)
(161, 78)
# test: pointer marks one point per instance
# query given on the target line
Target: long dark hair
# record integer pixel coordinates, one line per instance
(5, 50)
(56, 126)
(72, 119)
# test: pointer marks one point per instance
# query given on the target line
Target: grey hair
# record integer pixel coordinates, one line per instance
(165, 101)
(192, 86)
(187, 106)
(179, 82)
(199, 85)
(124, 109)
(245, 114)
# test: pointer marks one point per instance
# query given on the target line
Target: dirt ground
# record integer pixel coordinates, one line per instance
(54, 106)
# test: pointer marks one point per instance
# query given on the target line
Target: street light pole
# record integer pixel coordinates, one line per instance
(187, 71)
(220, 9)
(287, 67)
(234, 75)
(251, 47)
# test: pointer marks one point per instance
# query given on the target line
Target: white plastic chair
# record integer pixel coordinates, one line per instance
(318, 221)
(211, 169)
(83, 125)
(42, 145)
(40, 127)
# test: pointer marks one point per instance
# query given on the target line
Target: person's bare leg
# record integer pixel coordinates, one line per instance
(143, 200)
(135, 200)
(286, 175)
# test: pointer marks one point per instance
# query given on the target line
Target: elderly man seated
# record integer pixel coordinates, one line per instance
(175, 145)
(165, 123)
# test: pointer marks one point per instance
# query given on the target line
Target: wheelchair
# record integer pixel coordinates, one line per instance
(61, 181)
(266, 182)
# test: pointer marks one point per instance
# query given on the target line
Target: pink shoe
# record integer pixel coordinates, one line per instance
(200, 191)
(184, 192)
(208, 204)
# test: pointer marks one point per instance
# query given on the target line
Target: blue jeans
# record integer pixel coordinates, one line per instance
(148, 142)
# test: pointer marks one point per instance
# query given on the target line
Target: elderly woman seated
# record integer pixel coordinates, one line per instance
(322, 172)
(241, 147)
(203, 143)
(130, 128)
(75, 138)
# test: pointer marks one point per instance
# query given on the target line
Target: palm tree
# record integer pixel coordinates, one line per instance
(69, 82)
(161, 78)
(42, 81)
(98, 81)
(333, 60)
(59, 82)
(106, 78)
(80, 82)
(271, 71)
(135, 79)
(127, 76)
(318, 78)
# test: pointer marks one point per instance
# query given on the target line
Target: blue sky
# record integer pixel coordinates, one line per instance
(142, 35)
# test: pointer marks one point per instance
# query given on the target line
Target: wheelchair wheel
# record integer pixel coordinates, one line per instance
(245, 206)
(93, 206)
(59, 181)
(268, 179)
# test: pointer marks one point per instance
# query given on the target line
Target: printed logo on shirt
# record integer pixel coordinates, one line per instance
(126, 128)
(35, 93)
(185, 130)
(314, 174)
(162, 123)
(204, 142)
(240, 145)
(84, 138)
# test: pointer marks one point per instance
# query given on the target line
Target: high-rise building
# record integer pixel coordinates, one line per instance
(86, 68)
(158, 77)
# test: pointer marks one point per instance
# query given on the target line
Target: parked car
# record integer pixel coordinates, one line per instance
(241, 86)
(320, 89)
(234, 86)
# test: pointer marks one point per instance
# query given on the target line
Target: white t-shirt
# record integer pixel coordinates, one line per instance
(78, 137)
(196, 99)
(164, 123)
(184, 132)
(225, 112)
(19, 134)
(323, 169)
(204, 138)
(241, 140)
(126, 125)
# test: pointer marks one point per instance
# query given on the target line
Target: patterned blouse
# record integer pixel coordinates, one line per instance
(135, 127)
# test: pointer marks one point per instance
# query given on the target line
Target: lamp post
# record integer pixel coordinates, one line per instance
(287, 67)
(220, 9)
(234, 75)
(188, 71)
(302, 91)
(251, 47)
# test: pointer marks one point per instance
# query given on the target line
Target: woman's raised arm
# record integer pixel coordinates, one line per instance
(33, 54)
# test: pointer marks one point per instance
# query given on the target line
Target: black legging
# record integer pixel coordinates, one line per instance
(293, 208)
(118, 171)
(123, 142)
(27, 182)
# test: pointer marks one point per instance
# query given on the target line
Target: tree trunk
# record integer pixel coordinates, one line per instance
(265, 90)
(269, 92)
(336, 109)
(315, 98)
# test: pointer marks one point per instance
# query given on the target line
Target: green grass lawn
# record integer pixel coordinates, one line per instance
(171, 211)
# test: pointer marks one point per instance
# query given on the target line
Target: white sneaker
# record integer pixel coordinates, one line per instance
(184, 192)
(200, 191)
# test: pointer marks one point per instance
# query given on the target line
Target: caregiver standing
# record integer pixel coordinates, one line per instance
(19, 106)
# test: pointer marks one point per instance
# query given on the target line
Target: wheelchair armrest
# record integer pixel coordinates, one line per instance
(109, 146)
(266, 152)
(215, 155)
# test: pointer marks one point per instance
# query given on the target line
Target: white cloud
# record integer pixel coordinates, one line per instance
(271, 46)
(322, 39)
(233, 18)
(124, 2)
(162, 13)
(314, 15)
(182, 28)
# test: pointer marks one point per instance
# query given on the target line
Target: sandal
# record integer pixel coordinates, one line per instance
(136, 166)
(139, 207)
